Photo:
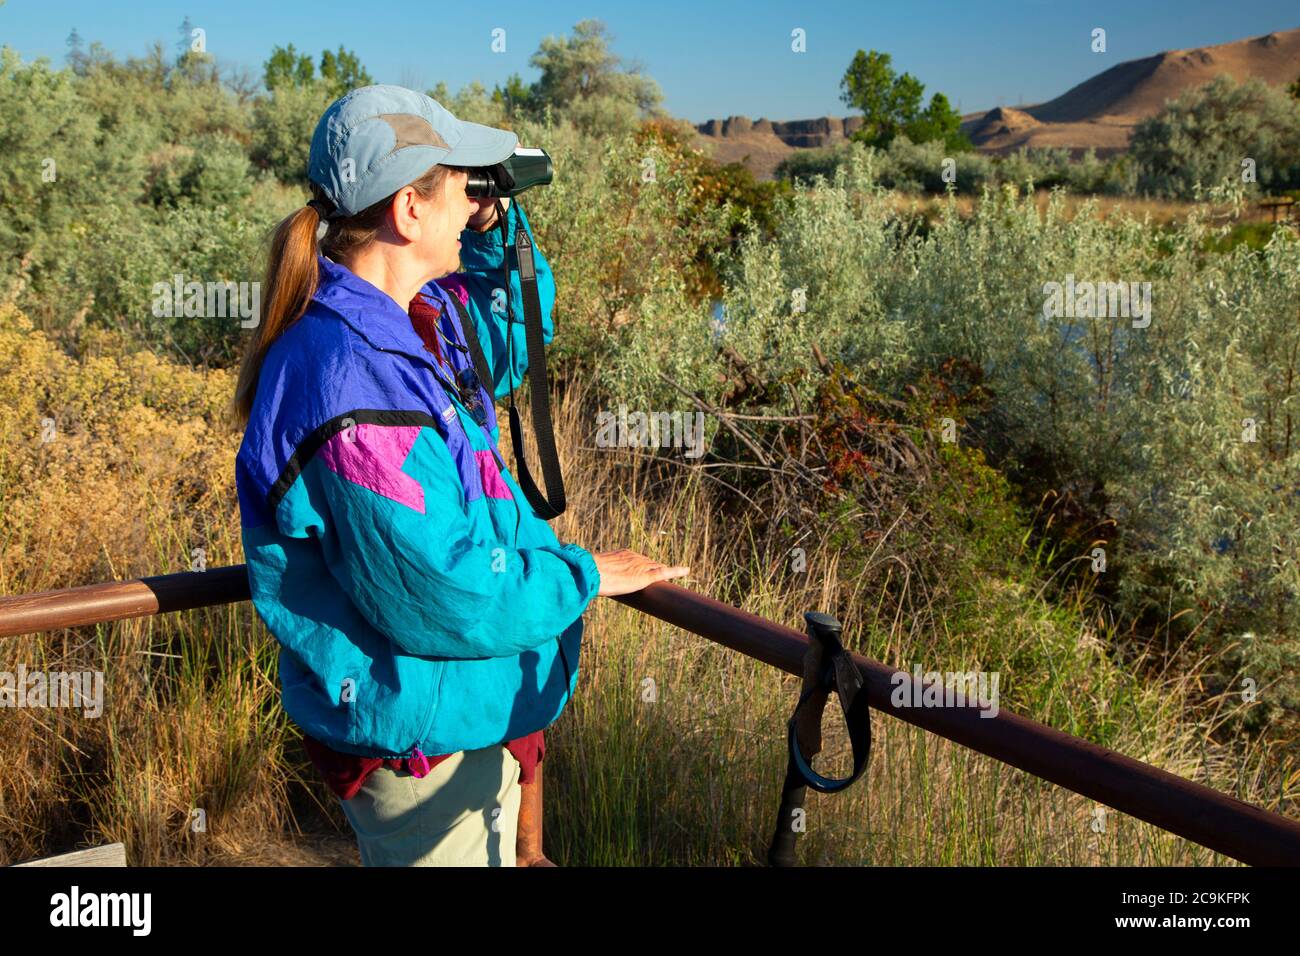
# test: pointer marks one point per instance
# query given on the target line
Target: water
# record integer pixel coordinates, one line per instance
(718, 322)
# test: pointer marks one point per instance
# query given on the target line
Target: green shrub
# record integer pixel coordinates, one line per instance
(1142, 425)
(915, 168)
(215, 172)
(1203, 137)
(283, 123)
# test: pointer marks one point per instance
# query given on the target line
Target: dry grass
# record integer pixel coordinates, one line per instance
(692, 775)
(672, 753)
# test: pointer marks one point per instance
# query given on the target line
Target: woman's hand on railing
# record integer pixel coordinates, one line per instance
(624, 571)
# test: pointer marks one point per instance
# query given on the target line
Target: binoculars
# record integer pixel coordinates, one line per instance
(528, 167)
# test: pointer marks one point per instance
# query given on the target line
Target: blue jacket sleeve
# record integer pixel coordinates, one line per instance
(403, 551)
(481, 256)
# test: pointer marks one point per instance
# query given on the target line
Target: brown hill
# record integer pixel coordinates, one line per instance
(1102, 111)
(1099, 113)
(1003, 121)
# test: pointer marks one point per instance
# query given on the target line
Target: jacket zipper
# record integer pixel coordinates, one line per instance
(416, 753)
(428, 722)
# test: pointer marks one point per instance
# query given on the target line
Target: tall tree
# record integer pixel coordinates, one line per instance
(193, 62)
(76, 53)
(287, 67)
(516, 96)
(939, 121)
(888, 101)
(582, 67)
(342, 71)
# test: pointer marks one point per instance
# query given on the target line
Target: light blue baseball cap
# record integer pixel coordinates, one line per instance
(376, 139)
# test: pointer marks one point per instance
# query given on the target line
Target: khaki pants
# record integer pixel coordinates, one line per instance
(463, 813)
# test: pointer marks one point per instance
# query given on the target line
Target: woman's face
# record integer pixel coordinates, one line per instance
(440, 245)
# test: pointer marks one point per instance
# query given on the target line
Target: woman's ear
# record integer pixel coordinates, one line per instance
(408, 215)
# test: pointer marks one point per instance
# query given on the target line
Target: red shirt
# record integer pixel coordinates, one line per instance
(424, 315)
(345, 773)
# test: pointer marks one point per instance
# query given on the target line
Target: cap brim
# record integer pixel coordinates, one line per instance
(481, 146)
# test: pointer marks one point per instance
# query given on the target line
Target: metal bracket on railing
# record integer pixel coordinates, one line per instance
(826, 666)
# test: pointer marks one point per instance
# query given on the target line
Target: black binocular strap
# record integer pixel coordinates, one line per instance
(476, 353)
(553, 503)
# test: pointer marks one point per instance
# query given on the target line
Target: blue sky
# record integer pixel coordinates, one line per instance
(712, 59)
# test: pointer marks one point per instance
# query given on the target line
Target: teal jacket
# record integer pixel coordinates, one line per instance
(421, 605)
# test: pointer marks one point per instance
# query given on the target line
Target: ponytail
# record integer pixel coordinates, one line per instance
(291, 277)
(292, 271)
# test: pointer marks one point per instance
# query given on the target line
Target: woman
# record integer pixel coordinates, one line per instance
(430, 623)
